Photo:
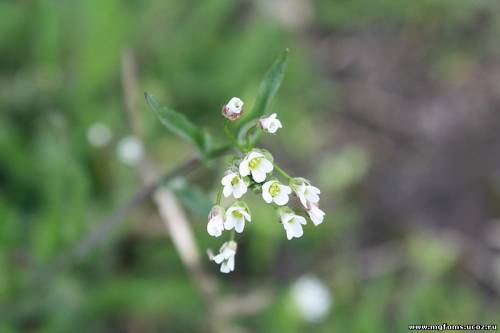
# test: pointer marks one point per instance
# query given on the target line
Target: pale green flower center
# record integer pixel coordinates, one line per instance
(237, 214)
(235, 181)
(274, 189)
(254, 162)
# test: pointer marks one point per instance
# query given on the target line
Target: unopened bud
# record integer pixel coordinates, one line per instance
(233, 109)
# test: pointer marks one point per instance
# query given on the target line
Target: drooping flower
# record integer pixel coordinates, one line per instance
(305, 191)
(233, 109)
(233, 184)
(273, 191)
(292, 223)
(256, 164)
(215, 224)
(236, 215)
(316, 214)
(270, 124)
(226, 256)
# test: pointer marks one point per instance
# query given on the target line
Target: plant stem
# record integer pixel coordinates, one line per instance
(248, 136)
(281, 171)
(232, 138)
(219, 195)
(232, 236)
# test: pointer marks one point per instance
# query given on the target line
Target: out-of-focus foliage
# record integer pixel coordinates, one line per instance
(403, 192)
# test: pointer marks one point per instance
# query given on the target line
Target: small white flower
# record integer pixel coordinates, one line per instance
(316, 214)
(233, 109)
(130, 150)
(99, 134)
(233, 184)
(226, 256)
(273, 191)
(270, 124)
(292, 223)
(236, 215)
(215, 224)
(255, 163)
(305, 191)
(312, 297)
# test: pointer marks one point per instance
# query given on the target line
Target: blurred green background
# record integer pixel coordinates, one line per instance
(391, 107)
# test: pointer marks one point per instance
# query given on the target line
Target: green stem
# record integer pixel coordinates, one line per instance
(219, 195)
(232, 138)
(248, 136)
(281, 171)
(232, 236)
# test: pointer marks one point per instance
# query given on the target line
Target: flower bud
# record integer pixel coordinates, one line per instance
(215, 224)
(270, 124)
(233, 109)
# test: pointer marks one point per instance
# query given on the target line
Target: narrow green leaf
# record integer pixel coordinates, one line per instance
(268, 88)
(191, 197)
(178, 123)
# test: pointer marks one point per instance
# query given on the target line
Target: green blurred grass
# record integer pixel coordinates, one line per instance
(60, 73)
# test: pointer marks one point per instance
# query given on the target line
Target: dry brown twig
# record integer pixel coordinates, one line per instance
(219, 309)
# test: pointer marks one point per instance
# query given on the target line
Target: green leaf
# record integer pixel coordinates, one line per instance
(268, 88)
(178, 123)
(191, 197)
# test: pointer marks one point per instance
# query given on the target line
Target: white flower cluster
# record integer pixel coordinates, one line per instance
(254, 170)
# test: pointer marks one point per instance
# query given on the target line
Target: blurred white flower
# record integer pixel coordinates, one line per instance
(256, 164)
(236, 215)
(226, 256)
(130, 150)
(99, 134)
(316, 214)
(273, 191)
(233, 184)
(292, 223)
(270, 124)
(312, 298)
(215, 224)
(305, 191)
(233, 109)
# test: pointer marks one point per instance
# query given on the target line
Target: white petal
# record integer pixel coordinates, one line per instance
(281, 199)
(313, 189)
(285, 189)
(258, 176)
(229, 222)
(267, 196)
(316, 215)
(240, 225)
(218, 258)
(300, 219)
(226, 180)
(253, 155)
(239, 189)
(244, 170)
(312, 197)
(230, 263)
(228, 189)
(246, 215)
(289, 233)
(265, 166)
(224, 268)
(297, 229)
(285, 218)
(215, 226)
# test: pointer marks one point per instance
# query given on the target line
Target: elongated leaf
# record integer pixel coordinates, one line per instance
(191, 197)
(268, 88)
(177, 123)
